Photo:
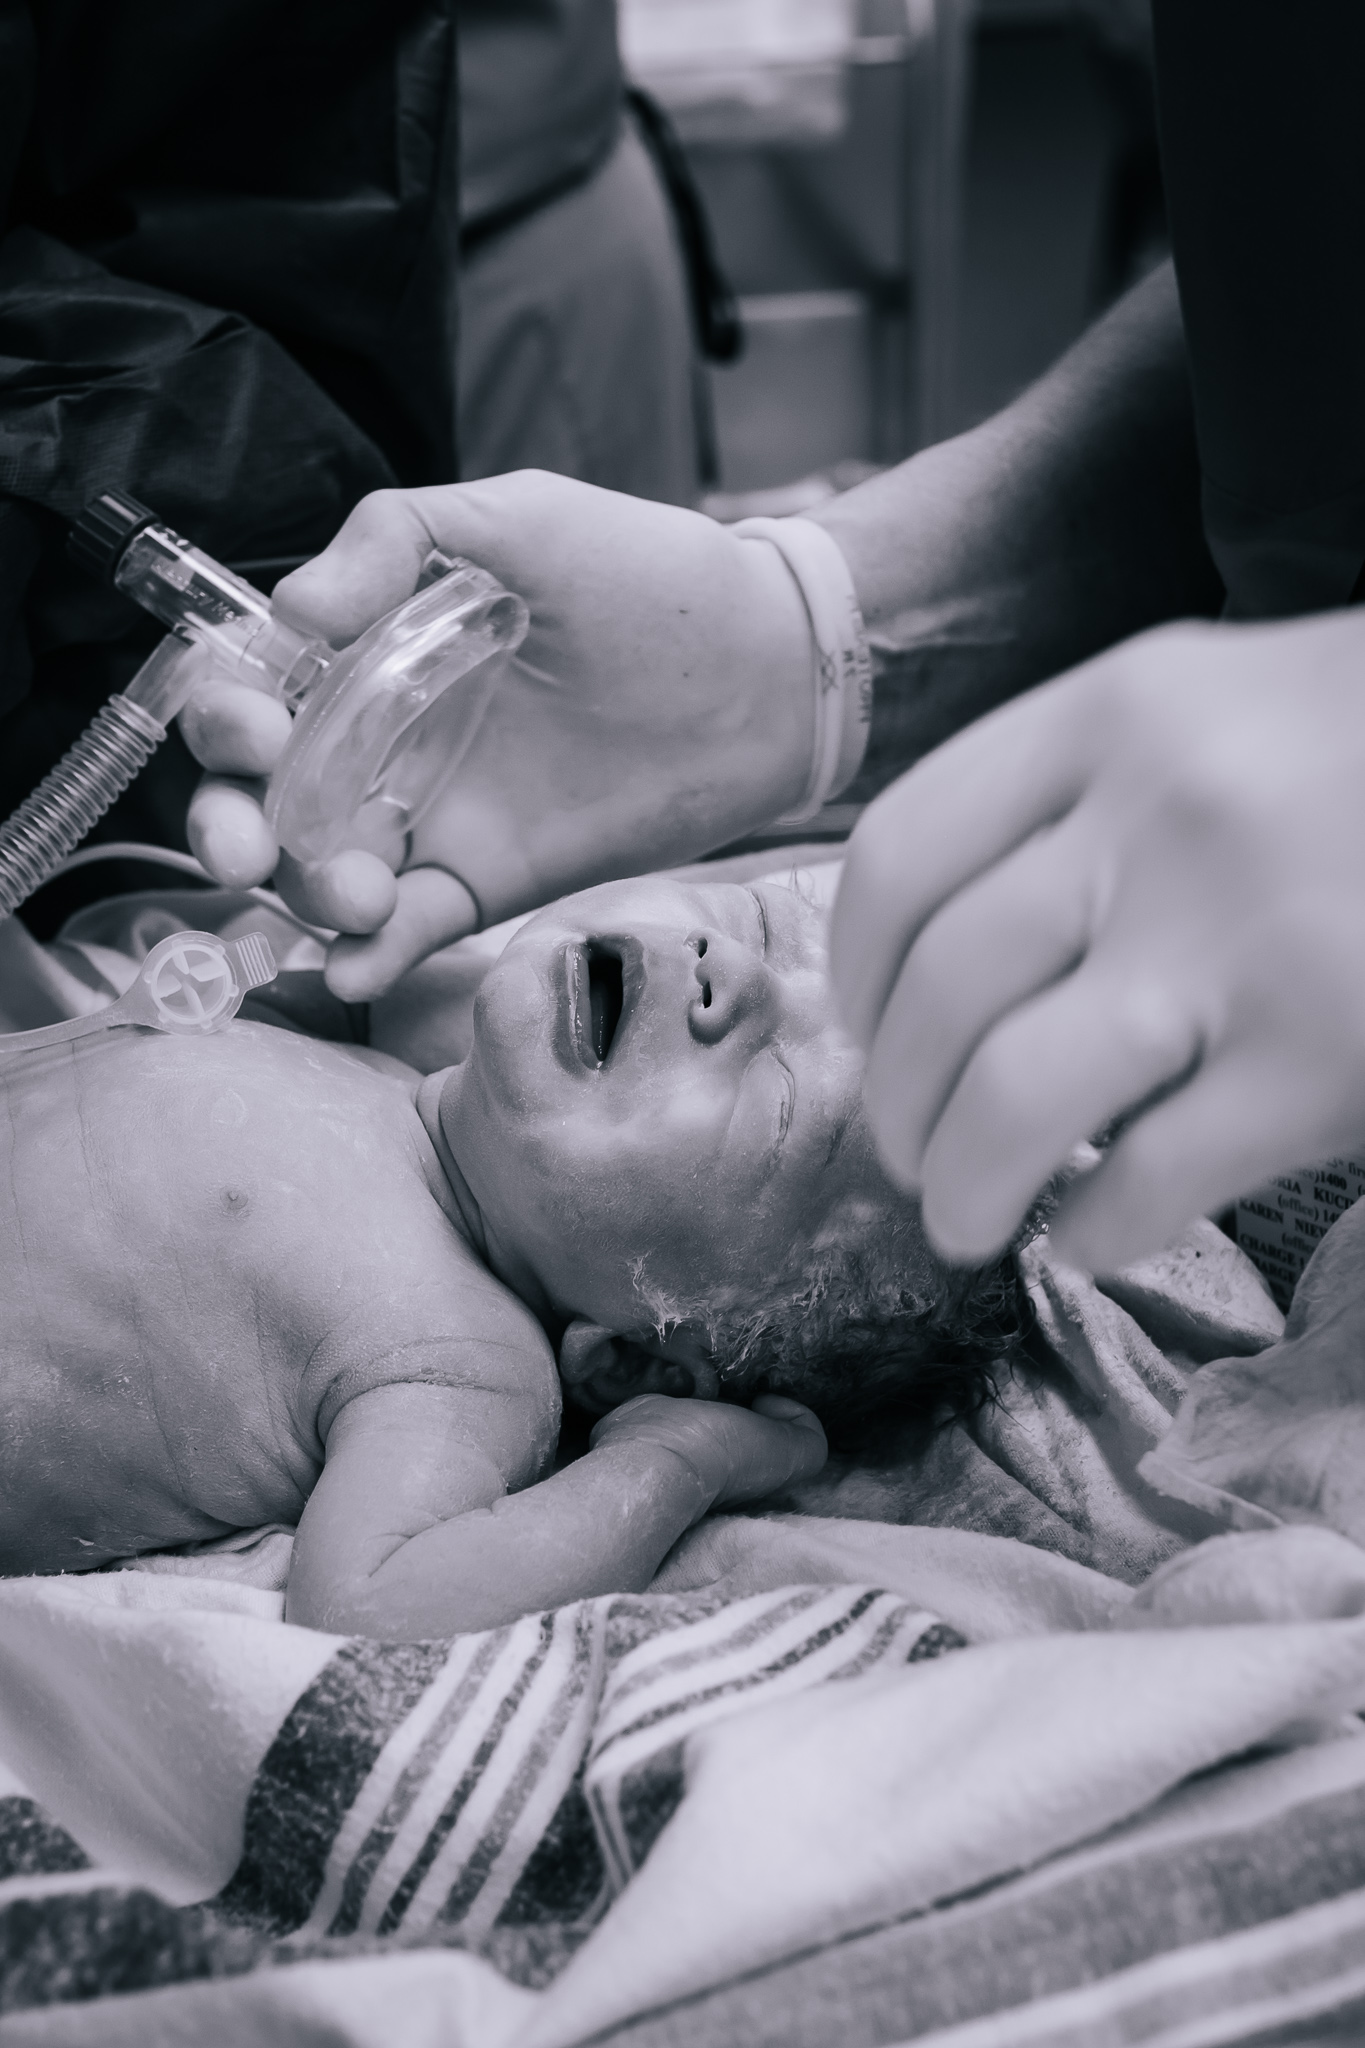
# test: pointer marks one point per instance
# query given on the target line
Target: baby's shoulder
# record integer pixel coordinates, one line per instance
(459, 1333)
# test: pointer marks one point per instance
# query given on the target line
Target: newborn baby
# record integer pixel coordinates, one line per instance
(260, 1278)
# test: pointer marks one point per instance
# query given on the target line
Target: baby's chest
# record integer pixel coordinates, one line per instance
(167, 1191)
(159, 1308)
(202, 1241)
(110, 1447)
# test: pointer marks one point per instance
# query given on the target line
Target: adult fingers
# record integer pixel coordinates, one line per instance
(376, 558)
(1001, 939)
(1056, 1070)
(1243, 1117)
(234, 730)
(1153, 1181)
(372, 565)
(529, 520)
(354, 891)
(227, 831)
(431, 909)
(954, 815)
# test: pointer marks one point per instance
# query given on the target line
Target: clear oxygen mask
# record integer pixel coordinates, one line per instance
(377, 729)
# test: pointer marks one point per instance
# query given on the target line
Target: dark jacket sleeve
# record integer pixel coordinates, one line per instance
(105, 382)
(227, 242)
(1263, 146)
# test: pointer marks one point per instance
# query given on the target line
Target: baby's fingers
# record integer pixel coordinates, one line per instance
(777, 1441)
(736, 1453)
(783, 1409)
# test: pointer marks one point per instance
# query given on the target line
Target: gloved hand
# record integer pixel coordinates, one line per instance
(660, 705)
(1137, 893)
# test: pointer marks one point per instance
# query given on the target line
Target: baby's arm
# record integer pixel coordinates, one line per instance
(411, 1532)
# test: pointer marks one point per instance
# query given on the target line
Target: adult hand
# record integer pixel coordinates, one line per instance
(1136, 894)
(659, 706)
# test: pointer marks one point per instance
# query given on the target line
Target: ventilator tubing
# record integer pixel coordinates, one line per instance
(384, 724)
(53, 821)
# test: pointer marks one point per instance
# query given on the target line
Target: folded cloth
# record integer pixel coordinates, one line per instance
(782, 1816)
(190, 1789)
(1290, 1574)
(1056, 1459)
(889, 1861)
(1230, 1912)
(247, 1557)
(986, 1587)
(1280, 1437)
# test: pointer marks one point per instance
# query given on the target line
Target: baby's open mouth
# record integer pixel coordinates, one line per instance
(606, 998)
(604, 976)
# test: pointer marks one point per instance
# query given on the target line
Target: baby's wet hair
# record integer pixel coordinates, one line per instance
(885, 1341)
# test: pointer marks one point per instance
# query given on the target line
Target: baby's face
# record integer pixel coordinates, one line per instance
(657, 1087)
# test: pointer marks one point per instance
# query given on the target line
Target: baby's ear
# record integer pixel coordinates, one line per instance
(602, 1368)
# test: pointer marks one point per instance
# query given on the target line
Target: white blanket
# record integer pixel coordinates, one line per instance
(820, 1762)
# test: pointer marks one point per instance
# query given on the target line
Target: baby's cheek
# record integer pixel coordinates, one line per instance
(598, 1200)
(695, 1118)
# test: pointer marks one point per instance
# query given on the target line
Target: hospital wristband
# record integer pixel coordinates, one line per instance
(842, 668)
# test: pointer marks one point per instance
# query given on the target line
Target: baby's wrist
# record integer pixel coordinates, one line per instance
(669, 1473)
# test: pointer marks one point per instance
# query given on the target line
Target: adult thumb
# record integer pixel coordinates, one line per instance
(433, 909)
(373, 564)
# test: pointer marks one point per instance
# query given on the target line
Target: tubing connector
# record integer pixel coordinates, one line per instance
(192, 983)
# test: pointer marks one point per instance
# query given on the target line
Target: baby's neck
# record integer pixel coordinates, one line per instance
(465, 1212)
(503, 1257)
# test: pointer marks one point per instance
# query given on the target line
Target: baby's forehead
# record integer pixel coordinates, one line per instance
(815, 885)
(799, 896)
(650, 899)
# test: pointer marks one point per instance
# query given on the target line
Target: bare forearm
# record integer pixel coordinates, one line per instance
(602, 1525)
(1063, 524)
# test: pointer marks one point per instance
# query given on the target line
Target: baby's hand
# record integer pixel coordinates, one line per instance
(737, 1454)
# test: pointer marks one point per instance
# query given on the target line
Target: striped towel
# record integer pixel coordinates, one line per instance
(1232, 1912)
(746, 1653)
(1046, 1840)
(494, 1792)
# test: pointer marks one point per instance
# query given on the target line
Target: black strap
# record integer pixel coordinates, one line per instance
(715, 309)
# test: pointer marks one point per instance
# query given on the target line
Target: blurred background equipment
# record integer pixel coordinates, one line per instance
(920, 203)
(826, 137)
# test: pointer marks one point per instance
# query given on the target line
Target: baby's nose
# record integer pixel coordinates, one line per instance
(732, 986)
